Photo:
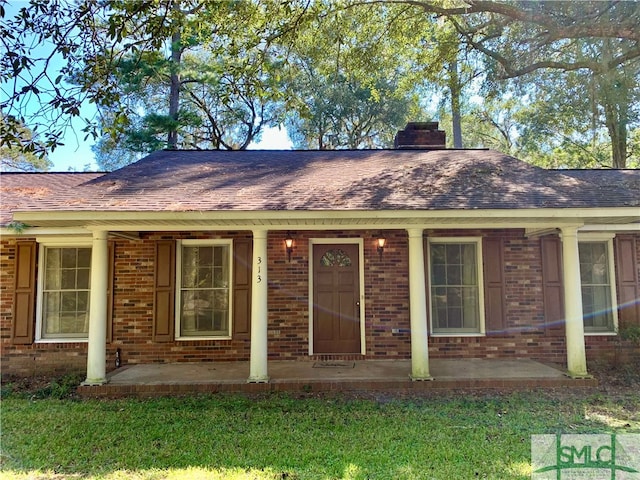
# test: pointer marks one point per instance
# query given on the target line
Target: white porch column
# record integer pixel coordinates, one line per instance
(418, 307)
(574, 326)
(97, 348)
(259, 310)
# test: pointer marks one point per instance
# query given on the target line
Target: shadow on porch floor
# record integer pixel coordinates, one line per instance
(307, 376)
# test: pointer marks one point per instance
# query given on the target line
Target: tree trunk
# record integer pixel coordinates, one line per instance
(455, 90)
(615, 94)
(174, 89)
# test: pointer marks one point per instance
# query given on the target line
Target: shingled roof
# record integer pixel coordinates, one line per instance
(17, 190)
(366, 180)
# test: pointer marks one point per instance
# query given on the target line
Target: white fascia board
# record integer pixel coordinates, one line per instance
(629, 227)
(155, 220)
(39, 231)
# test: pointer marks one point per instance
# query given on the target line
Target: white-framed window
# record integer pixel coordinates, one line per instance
(455, 286)
(599, 306)
(203, 300)
(64, 285)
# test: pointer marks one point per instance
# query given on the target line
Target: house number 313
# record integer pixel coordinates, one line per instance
(259, 277)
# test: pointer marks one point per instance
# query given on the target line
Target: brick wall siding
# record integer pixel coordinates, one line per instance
(387, 327)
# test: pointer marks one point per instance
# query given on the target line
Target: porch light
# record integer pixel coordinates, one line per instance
(381, 243)
(288, 243)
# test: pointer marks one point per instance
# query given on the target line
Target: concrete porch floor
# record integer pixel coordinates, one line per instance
(308, 376)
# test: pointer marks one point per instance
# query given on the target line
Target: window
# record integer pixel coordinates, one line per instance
(204, 277)
(598, 296)
(63, 292)
(456, 286)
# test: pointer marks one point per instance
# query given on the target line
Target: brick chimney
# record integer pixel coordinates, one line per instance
(424, 135)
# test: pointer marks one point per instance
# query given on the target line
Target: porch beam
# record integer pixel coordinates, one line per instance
(574, 321)
(418, 307)
(259, 310)
(97, 347)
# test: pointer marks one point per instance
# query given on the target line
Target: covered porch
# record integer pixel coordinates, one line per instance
(163, 379)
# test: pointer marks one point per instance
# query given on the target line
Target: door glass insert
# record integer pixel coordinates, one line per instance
(335, 258)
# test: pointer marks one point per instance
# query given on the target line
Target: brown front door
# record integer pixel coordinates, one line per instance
(336, 306)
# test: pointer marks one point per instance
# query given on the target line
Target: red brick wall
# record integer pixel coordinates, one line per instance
(387, 327)
(27, 360)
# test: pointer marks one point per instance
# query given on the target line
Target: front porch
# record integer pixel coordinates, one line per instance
(306, 376)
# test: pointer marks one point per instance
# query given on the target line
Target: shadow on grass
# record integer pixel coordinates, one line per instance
(276, 436)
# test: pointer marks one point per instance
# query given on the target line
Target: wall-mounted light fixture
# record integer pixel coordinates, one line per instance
(288, 243)
(381, 243)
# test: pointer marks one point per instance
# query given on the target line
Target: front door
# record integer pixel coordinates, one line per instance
(336, 305)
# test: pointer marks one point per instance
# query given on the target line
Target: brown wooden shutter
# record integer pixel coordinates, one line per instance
(24, 293)
(494, 287)
(164, 296)
(552, 287)
(242, 260)
(111, 258)
(626, 263)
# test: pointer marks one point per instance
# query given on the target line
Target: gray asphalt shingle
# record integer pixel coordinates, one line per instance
(255, 180)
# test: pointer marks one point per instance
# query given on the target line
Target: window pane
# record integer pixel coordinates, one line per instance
(53, 258)
(469, 276)
(84, 257)
(453, 254)
(69, 257)
(470, 308)
(68, 279)
(438, 275)
(203, 279)
(438, 254)
(83, 277)
(454, 275)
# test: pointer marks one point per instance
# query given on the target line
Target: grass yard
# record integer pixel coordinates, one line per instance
(446, 436)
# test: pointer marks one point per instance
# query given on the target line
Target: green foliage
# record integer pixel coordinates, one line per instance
(211, 74)
(631, 333)
(13, 158)
(352, 82)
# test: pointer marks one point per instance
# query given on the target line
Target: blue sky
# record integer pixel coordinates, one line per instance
(76, 154)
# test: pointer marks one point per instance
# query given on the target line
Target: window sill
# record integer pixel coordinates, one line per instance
(600, 334)
(458, 335)
(199, 339)
(62, 340)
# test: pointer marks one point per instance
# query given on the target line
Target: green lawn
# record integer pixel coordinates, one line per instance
(453, 436)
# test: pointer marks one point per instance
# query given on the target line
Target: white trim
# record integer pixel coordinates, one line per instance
(33, 231)
(201, 242)
(608, 239)
(480, 272)
(595, 236)
(43, 244)
(631, 227)
(90, 216)
(65, 241)
(330, 241)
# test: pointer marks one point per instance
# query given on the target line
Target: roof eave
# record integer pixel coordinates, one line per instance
(324, 219)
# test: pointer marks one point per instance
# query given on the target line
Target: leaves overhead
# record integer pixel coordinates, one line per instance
(211, 74)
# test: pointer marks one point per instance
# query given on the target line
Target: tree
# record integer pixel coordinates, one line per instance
(16, 159)
(351, 81)
(93, 40)
(522, 37)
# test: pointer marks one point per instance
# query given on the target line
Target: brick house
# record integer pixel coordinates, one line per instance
(415, 252)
